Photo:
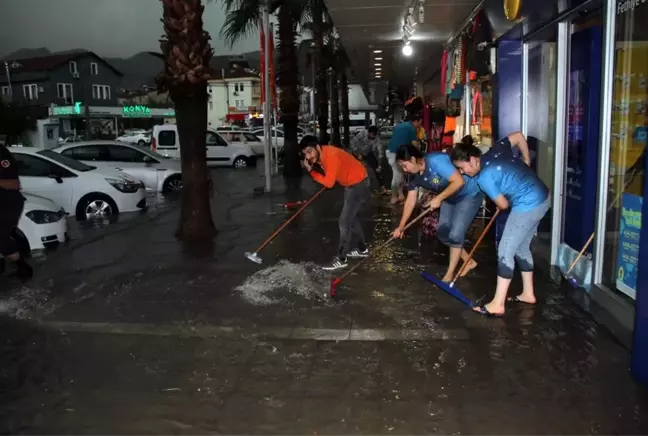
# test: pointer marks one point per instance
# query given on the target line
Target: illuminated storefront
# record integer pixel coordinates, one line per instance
(576, 84)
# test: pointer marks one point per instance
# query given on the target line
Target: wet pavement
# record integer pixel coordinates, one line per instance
(130, 332)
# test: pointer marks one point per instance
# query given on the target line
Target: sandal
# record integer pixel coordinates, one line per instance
(484, 312)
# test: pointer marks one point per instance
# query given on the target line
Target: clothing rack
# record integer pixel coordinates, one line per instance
(464, 25)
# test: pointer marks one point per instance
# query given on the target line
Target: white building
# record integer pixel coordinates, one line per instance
(233, 95)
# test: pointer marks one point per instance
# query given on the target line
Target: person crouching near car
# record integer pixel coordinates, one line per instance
(11, 206)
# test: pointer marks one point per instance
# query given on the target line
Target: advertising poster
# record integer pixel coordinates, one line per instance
(628, 248)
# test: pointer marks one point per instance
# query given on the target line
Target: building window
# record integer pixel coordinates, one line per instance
(241, 87)
(101, 92)
(64, 91)
(94, 68)
(236, 87)
(627, 145)
(211, 105)
(73, 68)
(30, 92)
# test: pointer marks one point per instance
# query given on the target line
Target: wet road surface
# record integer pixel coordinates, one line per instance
(132, 333)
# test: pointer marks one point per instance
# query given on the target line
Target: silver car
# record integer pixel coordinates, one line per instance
(157, 172)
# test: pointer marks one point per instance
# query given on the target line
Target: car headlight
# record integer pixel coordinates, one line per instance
(45, 216)
(125, 186)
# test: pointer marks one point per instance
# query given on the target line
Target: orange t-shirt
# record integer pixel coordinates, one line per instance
(339, 166)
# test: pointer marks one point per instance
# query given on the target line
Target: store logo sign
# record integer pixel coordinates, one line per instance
(137, 111)
(624, 6)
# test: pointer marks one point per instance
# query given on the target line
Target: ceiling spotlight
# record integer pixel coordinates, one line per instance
(407, 32)
(378, 64)
(378, 59)
(407, 50)
(377, 51)
(410, 20)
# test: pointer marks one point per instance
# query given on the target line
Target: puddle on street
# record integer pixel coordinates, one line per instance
(272, 285)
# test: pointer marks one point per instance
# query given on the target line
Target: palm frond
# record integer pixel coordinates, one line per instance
(242, 20)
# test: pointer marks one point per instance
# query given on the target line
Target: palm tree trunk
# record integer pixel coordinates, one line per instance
(191, 117)
(335, 109)
(321, 87)
(187, 54)
(288, 80)
(344, 103)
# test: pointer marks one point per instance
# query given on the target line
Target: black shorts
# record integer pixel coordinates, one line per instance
(11, 204)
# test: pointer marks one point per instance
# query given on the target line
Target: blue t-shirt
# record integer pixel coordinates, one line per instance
(435, 177)
(403, 133)
(504, 174)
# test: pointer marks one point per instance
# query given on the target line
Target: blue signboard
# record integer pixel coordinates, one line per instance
(628, 249)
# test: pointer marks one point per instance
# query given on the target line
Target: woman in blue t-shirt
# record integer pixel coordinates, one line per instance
(458, 197)
(510, 183)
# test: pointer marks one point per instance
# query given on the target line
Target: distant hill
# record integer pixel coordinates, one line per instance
(140, 69)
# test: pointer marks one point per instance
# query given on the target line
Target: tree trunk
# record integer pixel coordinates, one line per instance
(344, 102)
(191, 117)
(288, 81)
(335, 110)
(321, 85)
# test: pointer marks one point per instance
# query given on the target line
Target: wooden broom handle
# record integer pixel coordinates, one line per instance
(472, 252)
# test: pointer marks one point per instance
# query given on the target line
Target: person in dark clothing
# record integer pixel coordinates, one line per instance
(11, 204)
(365, 145)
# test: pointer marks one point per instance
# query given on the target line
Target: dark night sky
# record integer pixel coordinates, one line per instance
(111, 28)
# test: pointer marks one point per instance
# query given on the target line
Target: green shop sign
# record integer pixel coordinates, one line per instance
(136, 111)
(67, 110)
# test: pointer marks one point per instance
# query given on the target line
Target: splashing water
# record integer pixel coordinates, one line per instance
(24, 303)
(274, 284)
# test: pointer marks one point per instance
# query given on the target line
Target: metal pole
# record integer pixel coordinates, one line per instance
(275, 145)
(607, 89)
(560, 156)
(524, 95)
(9, 81)
(267, 107)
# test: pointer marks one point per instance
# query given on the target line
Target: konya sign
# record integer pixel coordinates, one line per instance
(137, 111)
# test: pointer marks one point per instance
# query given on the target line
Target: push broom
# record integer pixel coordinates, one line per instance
(254, 257)
(336, 281)
(449, 287)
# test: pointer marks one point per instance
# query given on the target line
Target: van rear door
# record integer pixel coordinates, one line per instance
(166, 141)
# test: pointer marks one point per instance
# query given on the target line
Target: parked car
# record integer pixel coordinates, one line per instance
(82, 190)
(255, 142)
(220, 152)
(139, 137)
(43, 222)
(159, 173)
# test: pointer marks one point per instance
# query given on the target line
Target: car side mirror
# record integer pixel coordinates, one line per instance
(56, 177)
(148, 160)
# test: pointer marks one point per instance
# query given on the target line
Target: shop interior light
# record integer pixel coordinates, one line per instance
(377, 64)
(377, 51)
(378, 59)
(407, 49)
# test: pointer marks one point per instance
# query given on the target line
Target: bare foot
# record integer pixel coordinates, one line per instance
(523, 298)
(471, 266)
(490, 309)
(447, 278)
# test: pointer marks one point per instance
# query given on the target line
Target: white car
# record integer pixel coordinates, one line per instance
(220, 152)
(43, 222)
(82, 190)
(277, 135)
(159, 173)
(240, 137)
(139, 137)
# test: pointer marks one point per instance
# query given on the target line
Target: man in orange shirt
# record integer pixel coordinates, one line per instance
(327, 165)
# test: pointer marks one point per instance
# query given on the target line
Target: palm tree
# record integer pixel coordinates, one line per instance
(243, 17)
(344, 99)
(187, 53)
(333, 52)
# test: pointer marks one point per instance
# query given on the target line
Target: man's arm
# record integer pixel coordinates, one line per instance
(518, 140)
(329, 179)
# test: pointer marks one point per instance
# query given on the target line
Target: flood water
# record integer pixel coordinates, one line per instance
(129, 335)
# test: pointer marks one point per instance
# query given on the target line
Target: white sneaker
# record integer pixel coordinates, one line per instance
(356, 254)
(337, 264)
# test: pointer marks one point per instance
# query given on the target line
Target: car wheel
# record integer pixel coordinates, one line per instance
(172, 184)
(141, 143)
(240, 162)
(96, 206)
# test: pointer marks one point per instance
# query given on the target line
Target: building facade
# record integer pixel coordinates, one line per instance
(234, 95)
(574, 79)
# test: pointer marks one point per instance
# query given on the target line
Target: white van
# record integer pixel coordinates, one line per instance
(166, 141)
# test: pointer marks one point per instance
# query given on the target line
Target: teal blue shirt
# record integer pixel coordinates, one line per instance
(404, 133)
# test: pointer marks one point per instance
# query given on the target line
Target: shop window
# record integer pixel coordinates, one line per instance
(627, 146)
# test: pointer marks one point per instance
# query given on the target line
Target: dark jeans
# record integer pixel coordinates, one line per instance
(351, 234)
(11, 204)
(386, 174)
(371, 164)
